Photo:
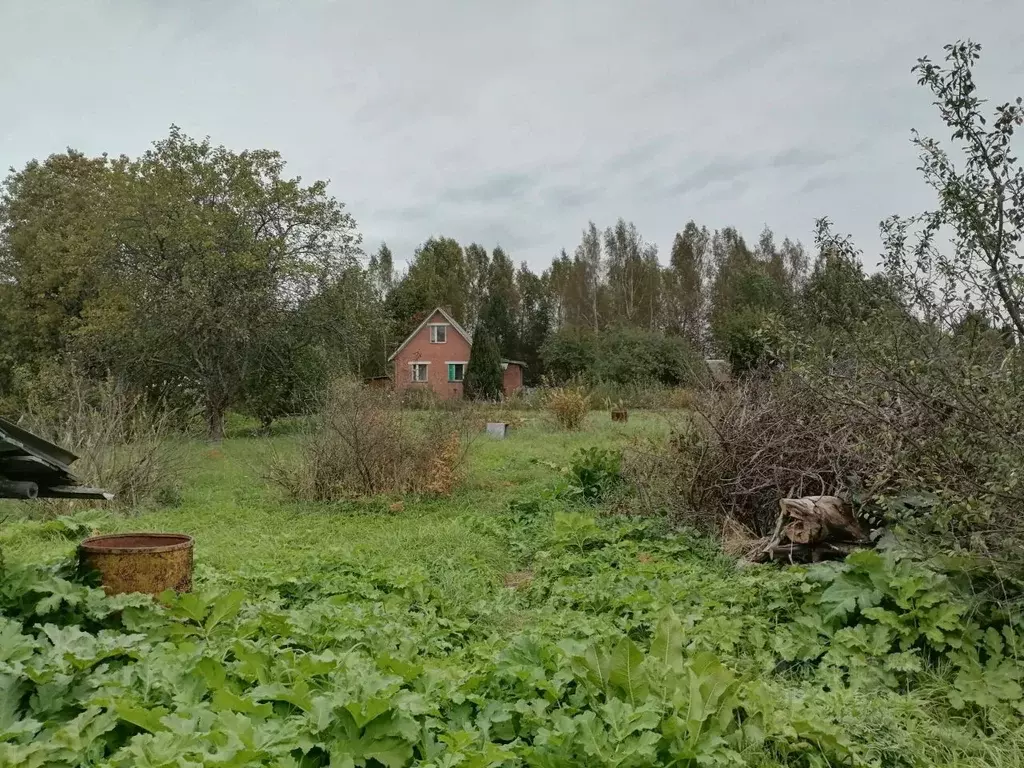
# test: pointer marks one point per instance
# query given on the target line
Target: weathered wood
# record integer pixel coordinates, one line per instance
(819, 528)
(820, 518)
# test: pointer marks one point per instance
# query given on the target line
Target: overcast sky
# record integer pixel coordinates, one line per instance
(514, 123)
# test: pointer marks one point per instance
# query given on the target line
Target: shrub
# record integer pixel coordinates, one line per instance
(592, 472)
(569, 406)
(627, 355)
(569, 353)
(125, 445)
(743, 450)
(622, 356)
(365, 443)
(751, 341)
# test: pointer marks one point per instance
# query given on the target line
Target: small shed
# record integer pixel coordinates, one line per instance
(378, 382)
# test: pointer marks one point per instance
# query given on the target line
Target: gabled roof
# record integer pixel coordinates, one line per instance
(451, 320)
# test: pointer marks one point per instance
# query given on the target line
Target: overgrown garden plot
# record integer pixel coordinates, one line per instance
(351, 634)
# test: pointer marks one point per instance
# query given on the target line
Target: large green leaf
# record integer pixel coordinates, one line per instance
(627, 673)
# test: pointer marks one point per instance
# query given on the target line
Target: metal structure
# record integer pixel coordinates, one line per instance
(31, 468)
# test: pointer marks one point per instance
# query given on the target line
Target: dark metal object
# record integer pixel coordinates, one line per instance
(27, 459)
(139, 562)
(19, 489)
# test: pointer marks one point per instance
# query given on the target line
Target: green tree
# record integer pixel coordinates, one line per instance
(214, 247)
(484, 377)
(632, 275)
(58, 238)
(477, 272)
(437, 278)
(587, 278)
(685, 283)
(745, 293)
(381, 269)
(534, 322)
(981, 205)
(500, 311)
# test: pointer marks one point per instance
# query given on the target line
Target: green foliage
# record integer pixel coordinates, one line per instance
(592, 472)
(751, 341)
(885, 619)
(404, 646)
(484, 378)
(621, 355)
(175, 271)
(569, 353)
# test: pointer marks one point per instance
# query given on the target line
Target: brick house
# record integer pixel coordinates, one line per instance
(435, 355)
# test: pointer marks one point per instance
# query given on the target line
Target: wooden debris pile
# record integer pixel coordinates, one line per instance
(808, 530)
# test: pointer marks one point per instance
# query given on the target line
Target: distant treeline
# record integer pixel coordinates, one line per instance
(206, 276)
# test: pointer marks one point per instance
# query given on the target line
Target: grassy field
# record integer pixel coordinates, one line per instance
(505, 625)
(241, 523)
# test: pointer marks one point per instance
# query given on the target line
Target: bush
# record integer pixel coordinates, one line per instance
(623, 356)
(592, 472)
(751, 341)
(125, 445)
(569, 406)
(569, 353)
(628, 355)
(365, 443)
(920, 427)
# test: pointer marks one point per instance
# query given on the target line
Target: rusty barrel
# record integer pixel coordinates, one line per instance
(139, 562)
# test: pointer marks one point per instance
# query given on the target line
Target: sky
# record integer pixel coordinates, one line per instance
(516, 123)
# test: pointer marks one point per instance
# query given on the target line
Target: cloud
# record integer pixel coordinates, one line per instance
(801, 157)
(517, 124)
(501, 187)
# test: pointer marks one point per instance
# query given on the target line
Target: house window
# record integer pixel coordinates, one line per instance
(456, 371)
(419, 371)
(438, 334)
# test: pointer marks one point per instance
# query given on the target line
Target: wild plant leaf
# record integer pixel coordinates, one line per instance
(391, 752)
(626, 671)
(297, 695)
(60, 593)
(988, 686)
(710, 696)
(364, 711)
(15, 647)
(224, 608)
(212, 672)
(226, 700)
(190, 605)
(667, 645)
(146, 718)
(845, 595)
(11, 690)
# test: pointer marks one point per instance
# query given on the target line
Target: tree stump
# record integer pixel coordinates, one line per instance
(818, 528)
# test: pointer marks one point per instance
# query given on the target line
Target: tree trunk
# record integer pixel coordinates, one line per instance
(214, 422)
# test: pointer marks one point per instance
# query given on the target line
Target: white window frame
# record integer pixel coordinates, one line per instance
(463, 363)
(433, 333)
(412, 372)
